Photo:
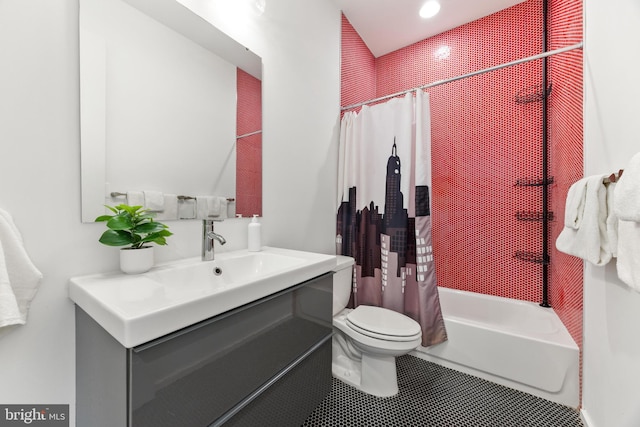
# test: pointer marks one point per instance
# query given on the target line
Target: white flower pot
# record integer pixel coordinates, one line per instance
(136, 261)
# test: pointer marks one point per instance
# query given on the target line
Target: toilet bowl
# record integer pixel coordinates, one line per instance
(367, 339)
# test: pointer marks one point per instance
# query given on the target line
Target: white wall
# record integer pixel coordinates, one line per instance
(40, 167)
(302, 92)
(611, 372)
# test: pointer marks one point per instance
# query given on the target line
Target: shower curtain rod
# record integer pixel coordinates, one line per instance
(244, 135)
(464, 76)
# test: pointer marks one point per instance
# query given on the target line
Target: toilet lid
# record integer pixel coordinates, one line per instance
(383, 323)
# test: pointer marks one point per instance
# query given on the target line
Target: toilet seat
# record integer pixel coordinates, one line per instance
(382, 323)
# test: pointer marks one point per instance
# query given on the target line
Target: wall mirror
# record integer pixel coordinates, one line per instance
(169, 105)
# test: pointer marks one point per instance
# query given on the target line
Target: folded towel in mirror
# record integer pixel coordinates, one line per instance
(135, 198)
(154, 200)
(170, 210)
(224, 208)
(186, 209)
(211, 207)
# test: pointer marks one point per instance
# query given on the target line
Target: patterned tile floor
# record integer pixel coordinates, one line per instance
(431, 395)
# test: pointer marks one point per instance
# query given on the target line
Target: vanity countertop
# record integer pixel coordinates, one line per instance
(136, 309)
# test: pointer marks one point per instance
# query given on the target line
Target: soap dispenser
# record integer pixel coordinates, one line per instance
(254, 235)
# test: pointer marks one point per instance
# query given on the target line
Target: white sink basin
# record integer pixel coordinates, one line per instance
(136, 309)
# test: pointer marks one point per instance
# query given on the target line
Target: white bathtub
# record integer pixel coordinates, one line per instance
(514, 343)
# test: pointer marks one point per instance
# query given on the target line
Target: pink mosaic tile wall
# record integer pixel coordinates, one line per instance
(249, 148)
(485, 140)
(566, 142)
(357, 68)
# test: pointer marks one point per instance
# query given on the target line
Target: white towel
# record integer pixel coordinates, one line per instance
(186, 209)
(135, 198)
(211, 207)
(628, 264)
(202, 207)
(224, 209)
(591, 240)
(218, 208)
(626, 206)
(170, 208)
(231, 208)
(153, 200)
(627, 194)
(9, 312)
(612, 221)
(575, 204)
(19, 278)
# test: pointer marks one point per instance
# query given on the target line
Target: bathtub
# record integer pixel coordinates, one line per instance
(514, 343)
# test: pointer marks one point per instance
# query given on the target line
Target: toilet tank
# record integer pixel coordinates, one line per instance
(342, 280)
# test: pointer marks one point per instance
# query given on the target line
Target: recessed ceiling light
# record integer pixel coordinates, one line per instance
(430, 9)
(260, 6)
(443, 52)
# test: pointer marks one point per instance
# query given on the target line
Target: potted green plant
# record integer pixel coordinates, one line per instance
(135, 228)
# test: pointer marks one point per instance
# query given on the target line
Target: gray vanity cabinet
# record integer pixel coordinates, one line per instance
(267, 363)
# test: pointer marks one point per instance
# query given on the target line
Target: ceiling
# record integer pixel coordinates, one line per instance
(388, 25)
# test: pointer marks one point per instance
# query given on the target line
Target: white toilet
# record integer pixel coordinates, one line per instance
(367, 339)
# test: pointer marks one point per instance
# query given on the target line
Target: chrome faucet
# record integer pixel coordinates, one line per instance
(208, 236)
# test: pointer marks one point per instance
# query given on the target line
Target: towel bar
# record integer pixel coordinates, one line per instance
(120, 194)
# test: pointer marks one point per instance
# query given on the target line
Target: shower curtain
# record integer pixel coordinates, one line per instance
(384, 212)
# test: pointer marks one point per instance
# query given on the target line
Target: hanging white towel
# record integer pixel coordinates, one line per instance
(170, 210)
(19, 278)
(219, 208)
(628, 264)
(202, 207)
(626, 205)
(224, 209)
(9, 312)
(590, 241)
(575, 204)
(627, 192)
(135, 198)
(211, 207)
(186, 209)
(153, 200)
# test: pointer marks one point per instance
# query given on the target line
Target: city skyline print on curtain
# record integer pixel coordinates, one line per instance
(384, 214)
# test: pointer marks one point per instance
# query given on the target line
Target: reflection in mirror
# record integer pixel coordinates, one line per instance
(170, 107)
